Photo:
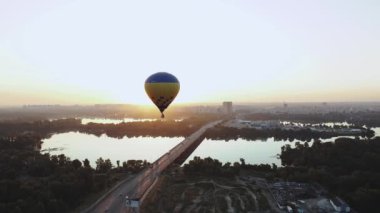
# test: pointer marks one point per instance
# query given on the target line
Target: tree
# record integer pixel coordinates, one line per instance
(306, 145)
(86, 163)
(108, 165)
(125, 165)
(274, 167)
(76, 164)
(103, 165)
(54, 160)
(99, 164)
(62, 160)
(242, 161)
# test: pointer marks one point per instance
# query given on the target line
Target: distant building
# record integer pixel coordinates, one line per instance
(227, 107)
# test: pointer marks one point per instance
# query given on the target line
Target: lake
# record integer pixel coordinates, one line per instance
(80, 146)
(253, 152)
(377, 131)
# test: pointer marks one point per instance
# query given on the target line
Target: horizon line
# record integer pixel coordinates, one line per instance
(195, 103)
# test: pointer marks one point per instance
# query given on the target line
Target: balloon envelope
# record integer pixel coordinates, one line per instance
(162, 88)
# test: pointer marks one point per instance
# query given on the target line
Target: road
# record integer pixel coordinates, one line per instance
(114, 200)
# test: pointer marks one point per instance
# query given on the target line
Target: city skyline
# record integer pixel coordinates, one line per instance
(93, 52)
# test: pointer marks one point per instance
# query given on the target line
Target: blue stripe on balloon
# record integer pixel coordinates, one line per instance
(162, 77)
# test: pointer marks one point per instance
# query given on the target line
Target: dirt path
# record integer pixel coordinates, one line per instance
(229, 204)
(215, 195)
(254, 197)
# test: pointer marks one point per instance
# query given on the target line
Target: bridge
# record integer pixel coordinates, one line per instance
(138, 187)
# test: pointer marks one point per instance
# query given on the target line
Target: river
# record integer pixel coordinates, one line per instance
(80, 146)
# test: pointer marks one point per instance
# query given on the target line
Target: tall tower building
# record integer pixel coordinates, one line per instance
(227, 107)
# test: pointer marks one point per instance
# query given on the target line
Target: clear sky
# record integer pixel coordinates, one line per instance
(91, 51)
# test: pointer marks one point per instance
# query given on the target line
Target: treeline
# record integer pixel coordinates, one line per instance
(168, 128)
(214, 168)
(368, 118)
(42, 128)
(165, 128)
(348, 167)
(32, 182)
(229, 133)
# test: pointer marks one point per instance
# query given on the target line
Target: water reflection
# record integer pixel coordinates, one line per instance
(80, 146)
(253, 152)
(262, 151)
(328, 124)
(118, 121)
(377, 131)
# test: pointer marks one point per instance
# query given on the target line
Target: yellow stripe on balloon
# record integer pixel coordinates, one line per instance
(162, 89)
(162, 94)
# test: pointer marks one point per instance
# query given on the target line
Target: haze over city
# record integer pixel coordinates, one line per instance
(86, 52)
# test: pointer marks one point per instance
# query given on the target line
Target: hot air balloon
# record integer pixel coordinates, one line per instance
(162, 88)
